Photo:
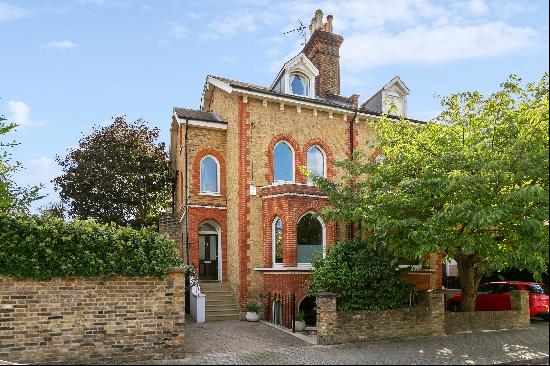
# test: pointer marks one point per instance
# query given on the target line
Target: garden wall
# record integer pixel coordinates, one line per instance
(427, 318)
(84, 320)
(364, 325)
(518, 317)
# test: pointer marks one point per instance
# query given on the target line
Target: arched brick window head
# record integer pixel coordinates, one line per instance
(283, 163)
(210, 175)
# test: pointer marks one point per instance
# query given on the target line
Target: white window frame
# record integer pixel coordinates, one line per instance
(303, 75)
(218, 179)
(218, 232)
(324, 162)
(275, 181)
(324, 238)
(274, 244)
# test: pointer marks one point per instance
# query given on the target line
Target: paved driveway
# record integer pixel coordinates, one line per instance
(255, 343)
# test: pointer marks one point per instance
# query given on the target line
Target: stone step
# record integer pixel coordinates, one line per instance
(222, 310)
(219, 303)
(213, 318)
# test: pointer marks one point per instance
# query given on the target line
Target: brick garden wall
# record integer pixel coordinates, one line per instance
(427, 318)
(81, 320)
(335, 327)
(518, 317)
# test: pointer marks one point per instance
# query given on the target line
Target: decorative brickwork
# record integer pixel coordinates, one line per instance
(92, 320)
(299, 159)
(196, 172)
(518, 317)
(197, 216)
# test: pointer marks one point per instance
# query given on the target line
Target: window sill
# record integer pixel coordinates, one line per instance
(284, 269)
(210, 194)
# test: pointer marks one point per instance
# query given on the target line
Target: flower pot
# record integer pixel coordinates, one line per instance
(252, 317)
(299, 325)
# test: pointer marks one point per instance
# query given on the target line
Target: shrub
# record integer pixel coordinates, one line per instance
(252, 307)
(45, 247)
(365, 278)
(299, 316)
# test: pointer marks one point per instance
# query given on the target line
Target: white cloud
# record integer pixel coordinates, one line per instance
(429, 45)
(10, 12)
(60, 45)
(20, 114)
(229, 26)
(177, 30)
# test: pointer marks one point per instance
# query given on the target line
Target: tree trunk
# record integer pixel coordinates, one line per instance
(469, 280)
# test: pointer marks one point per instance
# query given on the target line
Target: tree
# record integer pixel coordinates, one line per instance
(472, 184)
(13, 198)
(117, 174)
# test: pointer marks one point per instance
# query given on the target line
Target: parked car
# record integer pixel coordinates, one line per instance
(495, 296)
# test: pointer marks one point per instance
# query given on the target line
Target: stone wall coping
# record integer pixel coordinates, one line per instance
(177, 270)
(425, 270)
(283, 269)
(326, 294)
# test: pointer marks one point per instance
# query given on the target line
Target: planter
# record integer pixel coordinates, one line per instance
(252, 317)
(299, 325)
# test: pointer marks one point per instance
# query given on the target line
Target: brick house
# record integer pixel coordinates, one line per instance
(248, 220)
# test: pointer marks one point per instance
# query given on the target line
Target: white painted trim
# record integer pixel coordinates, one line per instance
(218, 232)
(295, 194)
(205, 124)
(283, 269)
(220, 84)
(218, 178)
(293, 162)
(208, 206)
(276, 184)
(273, 245)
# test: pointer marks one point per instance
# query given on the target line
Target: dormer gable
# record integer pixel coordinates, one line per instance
(395, 92)
(297, 77)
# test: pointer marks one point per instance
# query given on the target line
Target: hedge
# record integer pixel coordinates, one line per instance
(363, 274)
(45, 247)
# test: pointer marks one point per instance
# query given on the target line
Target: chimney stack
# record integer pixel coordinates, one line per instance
(323, 49)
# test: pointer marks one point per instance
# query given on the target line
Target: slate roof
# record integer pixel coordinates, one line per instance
(197, 115)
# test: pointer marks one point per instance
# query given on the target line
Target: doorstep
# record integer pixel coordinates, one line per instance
(309, 339)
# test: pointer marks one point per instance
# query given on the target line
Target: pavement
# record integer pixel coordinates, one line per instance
(244, 343)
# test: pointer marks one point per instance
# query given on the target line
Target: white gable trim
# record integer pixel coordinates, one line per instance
(397, 80)
(204, 124)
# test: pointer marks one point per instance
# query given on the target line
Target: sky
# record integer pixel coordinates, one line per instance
(66, 66)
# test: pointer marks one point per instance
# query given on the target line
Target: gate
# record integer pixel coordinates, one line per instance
(280, 309)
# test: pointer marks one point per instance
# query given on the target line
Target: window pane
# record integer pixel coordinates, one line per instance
(209, 175)
(213, 247)
(278, 237)
(282, 162)
(315, 162)
(207, 227)
(299, 85)
(309, 238)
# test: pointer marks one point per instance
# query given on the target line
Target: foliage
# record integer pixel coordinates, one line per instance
(363, 274)
(56, 209)
(117, 174)
(252, 307)
(12, 197)
(45, 247)
(472, 184)
(299, 316)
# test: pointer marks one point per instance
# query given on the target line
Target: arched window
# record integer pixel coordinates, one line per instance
(315, 163)
(210, 182)
(299, 84)
(283, 163)
(277, 242)
(310, 238)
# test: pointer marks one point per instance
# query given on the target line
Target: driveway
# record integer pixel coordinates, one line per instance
(234, 342)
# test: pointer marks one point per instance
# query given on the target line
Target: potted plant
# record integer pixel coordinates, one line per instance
(299, 322)
(252, 312)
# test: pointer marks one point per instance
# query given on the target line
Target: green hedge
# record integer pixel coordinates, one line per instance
(42, 248)
(363, 274)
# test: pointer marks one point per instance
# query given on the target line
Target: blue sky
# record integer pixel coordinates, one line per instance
(67, 65)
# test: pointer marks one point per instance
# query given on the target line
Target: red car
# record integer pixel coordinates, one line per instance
(495, 296)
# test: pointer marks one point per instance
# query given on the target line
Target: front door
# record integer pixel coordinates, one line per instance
(208, 256)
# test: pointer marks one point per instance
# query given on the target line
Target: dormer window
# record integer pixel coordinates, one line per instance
(299, 84)
(297, 77)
